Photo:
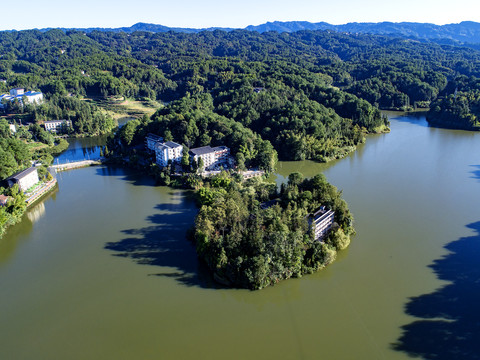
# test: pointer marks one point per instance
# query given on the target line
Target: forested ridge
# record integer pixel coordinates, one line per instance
(310, 94)
(466, 31)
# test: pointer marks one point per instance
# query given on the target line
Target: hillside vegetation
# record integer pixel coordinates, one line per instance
(311, 94)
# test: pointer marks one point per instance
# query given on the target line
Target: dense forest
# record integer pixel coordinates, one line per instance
(316, 91)
(250, 245)
(461, 108)
(308, 94)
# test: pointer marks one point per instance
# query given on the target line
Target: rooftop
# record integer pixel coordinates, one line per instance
(220, 148)
(202, 150)
(154, 136)
(22, 174)
(322, 213)
(54, 121)
(171, 144)
(167, 145)
(4, 199)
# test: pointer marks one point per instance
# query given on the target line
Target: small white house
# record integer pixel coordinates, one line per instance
(25, 179)
(57, 125)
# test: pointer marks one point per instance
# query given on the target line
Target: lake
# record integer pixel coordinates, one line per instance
(101, 268)
(86, 148)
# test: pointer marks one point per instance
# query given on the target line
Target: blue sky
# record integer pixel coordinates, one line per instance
(29, 14)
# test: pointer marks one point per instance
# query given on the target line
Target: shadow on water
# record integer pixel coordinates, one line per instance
(411, 118)
(449, 325)
(131, 176)
(476, 173)
(164, 244)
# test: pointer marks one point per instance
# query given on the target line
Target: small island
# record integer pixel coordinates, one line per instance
(251, 235)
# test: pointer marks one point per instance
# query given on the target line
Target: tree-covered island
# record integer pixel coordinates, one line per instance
(251, 235)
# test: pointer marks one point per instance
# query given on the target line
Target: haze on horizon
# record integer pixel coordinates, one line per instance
(235, 14)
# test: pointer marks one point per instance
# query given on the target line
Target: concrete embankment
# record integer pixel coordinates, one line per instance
(76, 165)
(45, 189)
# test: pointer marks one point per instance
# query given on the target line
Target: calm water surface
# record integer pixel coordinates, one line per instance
(81, 149)
(101, 269)
(86, 148)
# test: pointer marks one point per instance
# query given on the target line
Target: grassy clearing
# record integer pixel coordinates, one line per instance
(118, 107)
(381, 129)
(34, 146)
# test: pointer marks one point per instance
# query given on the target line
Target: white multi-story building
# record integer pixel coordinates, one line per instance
(151, 140)
(34, 97)
(57, 125)
(25, 179)
(19, 94)
(211, 156)
(167, 151)
(321, 222)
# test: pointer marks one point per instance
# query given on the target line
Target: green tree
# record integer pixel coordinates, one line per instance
(185, 158)
(201, 164)
(168, 135)
(240, 159)
(129, 131)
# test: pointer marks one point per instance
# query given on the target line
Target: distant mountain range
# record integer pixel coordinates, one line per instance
(465, 32)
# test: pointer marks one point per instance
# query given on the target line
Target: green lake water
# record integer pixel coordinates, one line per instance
(101, 268)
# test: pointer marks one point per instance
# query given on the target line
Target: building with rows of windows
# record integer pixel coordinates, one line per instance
(168, 151)
(151, 141)
(57, 125)
(321, 222)
(211, 157)
(20, 94)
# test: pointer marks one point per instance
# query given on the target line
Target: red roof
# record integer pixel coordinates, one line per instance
(3, 199)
